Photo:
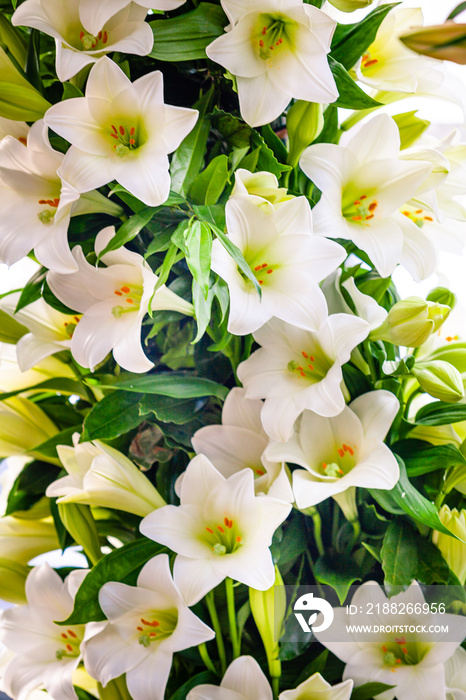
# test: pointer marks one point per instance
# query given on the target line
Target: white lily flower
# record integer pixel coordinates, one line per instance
(99, 475)
(287, 260)
(413, 662)
(221, 528)
(19, 130)
(342, 452)
(455, 675)
(387, 63)
(277, 50)
(298, 369)
(113, 302)
(317, 688)
(46, 654)
(121, 131)
(366, 307)
(262, 186)
(147, 624)
(94, 15)
(77, 44)
(243, 680)
(12, 377)
(50, 331)
(363, 184)
(38, 204)
(239, 443)
(23, 539)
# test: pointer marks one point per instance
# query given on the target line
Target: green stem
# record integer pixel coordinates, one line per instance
(370, 360)
(77, 372)
(275, 687)
(210, 601)
(206, 658)
(316, 519)
(235, 639)
(114, 690)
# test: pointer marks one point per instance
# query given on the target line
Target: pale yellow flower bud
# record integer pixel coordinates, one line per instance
(23, 427)
(410, 128)
(12, 581)
(18, 99)
(304, 122)
(410, 322)
(269, 610)
(442, 295)
(79, 522)
(453, 551)
(350, 5)
(446, 42)
(439, 379)
(23, 539)
(13, 40)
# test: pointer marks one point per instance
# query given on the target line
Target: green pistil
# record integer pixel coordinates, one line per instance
(389, 658)
(46, 216)
(89, 41)
(341, 461)
(118, 311)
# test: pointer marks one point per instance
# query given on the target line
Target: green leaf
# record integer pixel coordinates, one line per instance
(210, 183)
(203, 677)
(337, 571)
(185, 38)
(238, 257)
(329, 133)
(350, 41)
(29, 486)
(129, 229)
(408, 498)
(266, 158)
(83, 694)
(351, 96)
(188, 158)
(211, 214)
(422, 457)
(431, 567)
(458, 9)
(274, 142)
(10, 330)
(369, 690)
(70, 91)
(198, 248)
(61, 384)
(113, 416)
(124, 565)
(49, 447)
(170, 410)
(399, 554)
(441, 413)
(178, 385)
(202, 309)
(32, 289)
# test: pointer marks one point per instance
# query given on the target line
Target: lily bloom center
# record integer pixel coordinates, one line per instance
(89, 42)
(70, 326)
(273, 33)
(368, 61)
(340, 462)
(401, 653)
(70, 640)
(312, 365)
(156, 626)
(125, 137)
(223, 538)
(262, 271)
(130, 299)
(360, 210)
(419, 216)
(47, 214)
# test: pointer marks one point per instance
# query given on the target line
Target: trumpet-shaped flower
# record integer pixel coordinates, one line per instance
(220, 529)
(50, 331)
(113, 302)
(21, 540)
(300, 368)
(260, 186)
(455, 675)
(23, 426)
(76, 44)
(147, 623)
(453, 550)
(13, 378)
(46, 654)
(243, 680)
(287, 260)
(37, 203)
(239, 443)
(121, 131)
(317, 688)
(277, 50)
(413, 662)
(19, 130)
(342, 452)
(363, 185)
(100, 475)
(365, 306)
(94, 15)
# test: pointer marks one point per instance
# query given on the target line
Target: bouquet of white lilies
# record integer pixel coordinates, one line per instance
(212, 389)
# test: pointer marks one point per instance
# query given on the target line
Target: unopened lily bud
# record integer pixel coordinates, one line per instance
(21, 540)
(262, 184)
(350, 5)
(304, 122)
(79, 522)
(439, 379)
(442, 295)
(10, 330)
(13, 40)
(410, 127)
(19, 100)
(410, 322)
(13, 580)
(447, 42)
(269, 610)
(454, 353)
(452, 550)
(23, 427)
(435, 434)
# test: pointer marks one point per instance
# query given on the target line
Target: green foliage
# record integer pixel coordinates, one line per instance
(185, 38)
(351, 96)
(399, 554)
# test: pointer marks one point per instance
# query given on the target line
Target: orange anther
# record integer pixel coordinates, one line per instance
(261, 43)
(356, 203)
(428, 218)
(220, 528)
(368, 64)
(119, 294)
(264, 31)
(125, 289)
(132, 142)
(304, 354)
(269, 272)
(71, 633)
(105, 37)
(356, 218)
(302, 374)
(364, 196)
(238, 538)
(371, 216)
(340, 452)
(398, 661)
(23, 140)
(406, 213)
(312, 358)
(264, 265)
(115, 136)
(261, 281)
(311, 366)
(258, 267)
(152, 634)
(99, 35)
(69, 647)
(140, 629)
(65, 636)
(372, 206)
(418, 211)
(324, 465)
(121, 130)
(259, 472)
(81, 34)
(384, 648)
(130, 301)
(114, 128)
(209, 529)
